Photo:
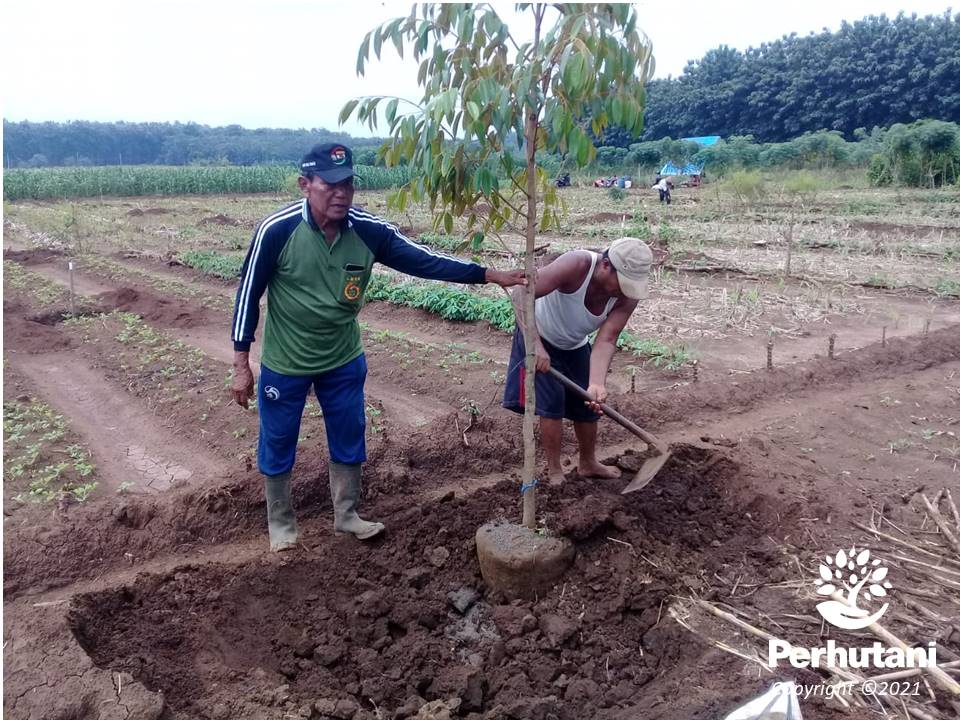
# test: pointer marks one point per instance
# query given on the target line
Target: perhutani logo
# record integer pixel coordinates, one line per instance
(338, 155)
(853, 581)
(271, 392)
(853, 572)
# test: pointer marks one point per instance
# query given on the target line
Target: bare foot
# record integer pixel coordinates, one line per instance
(598, 470)
(555, 477)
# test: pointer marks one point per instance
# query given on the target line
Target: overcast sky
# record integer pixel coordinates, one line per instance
(291, 63)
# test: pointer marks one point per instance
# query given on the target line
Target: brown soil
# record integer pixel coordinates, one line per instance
(348, 627)
(882, 228)
(219, 219)
(606, 217)
(166, 604)
(137, 212)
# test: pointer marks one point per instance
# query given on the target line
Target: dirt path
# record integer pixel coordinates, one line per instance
(129, 445)
(401, 406)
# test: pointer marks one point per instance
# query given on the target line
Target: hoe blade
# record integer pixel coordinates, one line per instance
(646, 473)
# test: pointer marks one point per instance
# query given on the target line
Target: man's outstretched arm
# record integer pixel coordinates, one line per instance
(395, 250)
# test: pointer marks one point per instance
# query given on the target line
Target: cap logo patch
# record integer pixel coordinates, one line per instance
(338, 156)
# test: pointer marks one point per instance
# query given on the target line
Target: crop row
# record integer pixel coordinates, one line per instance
(58, 183)
(450, 303)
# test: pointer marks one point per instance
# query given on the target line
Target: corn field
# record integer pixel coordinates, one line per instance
(57, 183)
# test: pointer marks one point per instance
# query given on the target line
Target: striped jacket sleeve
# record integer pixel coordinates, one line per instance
(392, 248)
(258, 267)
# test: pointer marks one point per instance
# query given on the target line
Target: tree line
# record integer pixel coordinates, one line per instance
(82, 143)
(873, 73)
(925, 153)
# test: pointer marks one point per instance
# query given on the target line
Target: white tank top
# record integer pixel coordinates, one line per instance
(562, 318)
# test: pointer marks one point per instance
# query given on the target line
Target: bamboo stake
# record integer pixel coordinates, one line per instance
(73, 309)
(942, 524)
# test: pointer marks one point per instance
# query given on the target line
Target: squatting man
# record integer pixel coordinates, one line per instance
(315, 258)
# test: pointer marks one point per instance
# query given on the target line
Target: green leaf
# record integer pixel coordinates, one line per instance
(473, 110)
(397, 39)
(545, 220)
(392, 110)
(363, 53)
(616, 111)
(583, 149)
(347, 111)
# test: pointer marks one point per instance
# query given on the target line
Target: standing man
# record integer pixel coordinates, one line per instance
(316, 257)
(578, 293)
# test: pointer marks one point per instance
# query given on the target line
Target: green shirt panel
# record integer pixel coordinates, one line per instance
(312, 303)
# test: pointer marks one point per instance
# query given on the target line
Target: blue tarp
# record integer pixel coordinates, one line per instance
(688, 169)
(703, 141)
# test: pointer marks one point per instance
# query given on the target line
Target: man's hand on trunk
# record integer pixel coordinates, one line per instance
(505, 278)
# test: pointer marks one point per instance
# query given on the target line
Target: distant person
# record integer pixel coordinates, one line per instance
(315, 257)
(663, 186)
(578, 293)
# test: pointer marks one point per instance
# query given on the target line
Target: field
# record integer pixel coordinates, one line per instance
(807, 412)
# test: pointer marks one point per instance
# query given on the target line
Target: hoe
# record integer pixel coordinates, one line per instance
(653, 464)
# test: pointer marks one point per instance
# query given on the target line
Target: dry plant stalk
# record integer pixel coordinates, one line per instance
(942, 524)
(941, 678)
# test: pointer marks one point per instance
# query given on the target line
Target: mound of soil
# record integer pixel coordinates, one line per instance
(165, 312)
(137, 212)
(32, 257)
(219, 219)
(409, 620)
(606, 217)
(34, 334)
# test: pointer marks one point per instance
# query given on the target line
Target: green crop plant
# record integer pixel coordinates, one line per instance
(75, 182)
(33, 448)
(447, 302)
(213, 263)
(660, 355)
(450, 243)
(82, 492)
(947, 287)
(43, 291)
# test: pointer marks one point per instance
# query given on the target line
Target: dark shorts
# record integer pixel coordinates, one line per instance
(553, 400)
(281, 399)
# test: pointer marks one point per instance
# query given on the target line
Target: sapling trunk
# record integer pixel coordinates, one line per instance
(529, 489)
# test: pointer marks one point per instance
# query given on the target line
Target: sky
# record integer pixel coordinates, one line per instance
(291, 63)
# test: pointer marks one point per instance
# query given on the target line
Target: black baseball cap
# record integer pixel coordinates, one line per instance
(332, 162)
